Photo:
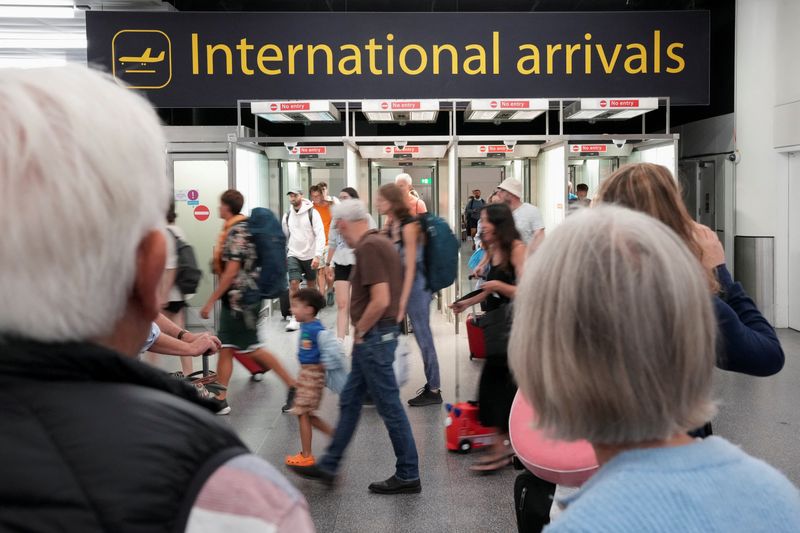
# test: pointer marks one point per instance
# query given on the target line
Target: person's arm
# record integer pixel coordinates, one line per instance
(747, 342)
(332, 237)
(410, 236)
(460, 305)
(285, 224)
(421, 207)
(225, 281)
(172, 329)
(319, 238)
(379, 300)
(536, 240)
(168, 345)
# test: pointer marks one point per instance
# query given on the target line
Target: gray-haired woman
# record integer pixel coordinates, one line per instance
(613, 341)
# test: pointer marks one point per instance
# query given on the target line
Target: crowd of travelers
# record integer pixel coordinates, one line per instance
(610, 327)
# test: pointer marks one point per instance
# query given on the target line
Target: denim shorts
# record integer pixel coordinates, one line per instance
(299, 269)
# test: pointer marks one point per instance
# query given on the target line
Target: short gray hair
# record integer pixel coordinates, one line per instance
(351, 210)
(614, 331)
(83, 180)
(404, 177)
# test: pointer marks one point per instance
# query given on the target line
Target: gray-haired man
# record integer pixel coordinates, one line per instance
(376, 283)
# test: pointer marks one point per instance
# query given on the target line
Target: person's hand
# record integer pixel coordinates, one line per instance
(216, 342)
(202, 344)
(315, 263)
(457, 307)
(205, 312)
(713, 254)
(401, 313)
(329, 274)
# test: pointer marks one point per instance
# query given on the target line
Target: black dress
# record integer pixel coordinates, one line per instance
(496, 389)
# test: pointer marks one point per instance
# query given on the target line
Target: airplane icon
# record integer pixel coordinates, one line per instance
(144, 58)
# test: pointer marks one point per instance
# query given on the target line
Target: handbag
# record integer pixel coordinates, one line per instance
(496, 326)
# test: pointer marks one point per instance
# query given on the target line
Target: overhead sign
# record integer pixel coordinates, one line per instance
(181, 59)
(309, 150)
(404, 150)
(580, 148)
(496, 149)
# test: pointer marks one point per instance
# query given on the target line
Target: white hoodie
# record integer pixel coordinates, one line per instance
(305, 238)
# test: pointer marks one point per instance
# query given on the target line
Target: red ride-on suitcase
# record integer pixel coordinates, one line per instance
(477, 344)
(462, 431)
(256, 370)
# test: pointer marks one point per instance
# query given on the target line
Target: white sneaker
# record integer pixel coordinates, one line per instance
(293, 325)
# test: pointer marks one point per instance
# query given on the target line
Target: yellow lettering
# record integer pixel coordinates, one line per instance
(355, 57)
(210, 50)
(495, 52)
(195, 56)
(372, 48)
(390, 55)
(480, 57)
(679, 61)
(312, 50)
(641, 57)
(293, 49)
(437, 51)
(423, 59)
(571, 49)
(533, 57)
(657, 50)
(262, 58)
(608, 66)
(587, 58)
(551, 50)
(243, 47)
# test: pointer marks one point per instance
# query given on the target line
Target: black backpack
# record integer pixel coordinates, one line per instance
(188, 276)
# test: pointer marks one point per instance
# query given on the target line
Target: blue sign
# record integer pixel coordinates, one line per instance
(193, 202)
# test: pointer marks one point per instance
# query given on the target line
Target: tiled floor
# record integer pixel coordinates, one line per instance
(760, 414)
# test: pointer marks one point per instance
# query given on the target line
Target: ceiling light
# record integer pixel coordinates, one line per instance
(319, 117)
(526, 115)
(482, 115)
(295, 110)
(379, 117)
(52, 9)
(583, 115)
(629, 113)
(278, 117)
(52, 40)
(423, 115)
(32, 62)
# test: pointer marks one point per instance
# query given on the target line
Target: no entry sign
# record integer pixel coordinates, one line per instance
(202, 213)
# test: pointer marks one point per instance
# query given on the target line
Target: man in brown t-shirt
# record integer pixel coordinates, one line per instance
(376, 283)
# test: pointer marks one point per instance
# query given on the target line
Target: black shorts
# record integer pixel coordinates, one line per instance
(342, 272)
(472, 224)
(175, 306)
(299, 269)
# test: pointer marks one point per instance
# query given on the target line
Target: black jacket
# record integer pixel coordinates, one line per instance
(91, 440)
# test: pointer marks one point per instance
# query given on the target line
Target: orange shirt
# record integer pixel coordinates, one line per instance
(325, 213)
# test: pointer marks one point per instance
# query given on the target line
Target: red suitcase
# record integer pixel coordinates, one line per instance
(256, 370)
(462, 431)
(477, 345)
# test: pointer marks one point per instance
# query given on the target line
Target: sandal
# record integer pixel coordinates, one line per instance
(300, 460)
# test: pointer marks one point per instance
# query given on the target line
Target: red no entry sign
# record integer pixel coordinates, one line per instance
(201, 213)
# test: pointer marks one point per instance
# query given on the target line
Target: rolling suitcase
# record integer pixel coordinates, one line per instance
(477, 343)
(256, 370)
(532, 500)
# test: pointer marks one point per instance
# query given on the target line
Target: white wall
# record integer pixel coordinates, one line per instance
(767, 76)
(552, 185)
(484, 178)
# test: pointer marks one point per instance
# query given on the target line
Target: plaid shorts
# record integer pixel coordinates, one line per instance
(310, 383)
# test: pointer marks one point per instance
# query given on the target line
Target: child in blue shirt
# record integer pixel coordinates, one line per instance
(311, 380)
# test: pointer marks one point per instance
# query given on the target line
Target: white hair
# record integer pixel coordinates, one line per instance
(614, 331)
(351, 210)
(404, 177)
(82, 180)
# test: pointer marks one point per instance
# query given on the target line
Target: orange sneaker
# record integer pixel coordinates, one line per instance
(299, 460)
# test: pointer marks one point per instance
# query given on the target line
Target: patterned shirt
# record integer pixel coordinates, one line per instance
(239, 247)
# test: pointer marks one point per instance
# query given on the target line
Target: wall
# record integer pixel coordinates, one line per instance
(767, 83)
(484, 178)
(552, 185)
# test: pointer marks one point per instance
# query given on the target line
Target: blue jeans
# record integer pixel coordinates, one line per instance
(419, 312)
(372, 371)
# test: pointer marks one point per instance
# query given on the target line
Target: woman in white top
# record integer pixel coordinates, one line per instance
(342, 258)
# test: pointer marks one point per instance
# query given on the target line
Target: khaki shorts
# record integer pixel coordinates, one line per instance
(310, 383)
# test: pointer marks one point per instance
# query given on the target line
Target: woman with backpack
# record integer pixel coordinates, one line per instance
(506, 256)
(175, 309)
(406, 232)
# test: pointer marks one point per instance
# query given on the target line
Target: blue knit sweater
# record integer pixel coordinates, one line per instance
(708, 486)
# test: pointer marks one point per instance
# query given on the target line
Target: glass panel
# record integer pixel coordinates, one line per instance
(203, 182)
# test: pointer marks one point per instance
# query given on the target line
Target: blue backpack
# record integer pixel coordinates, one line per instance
(270, 243)
(441, 252)
(332, 358)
